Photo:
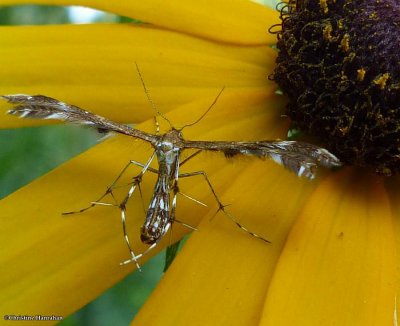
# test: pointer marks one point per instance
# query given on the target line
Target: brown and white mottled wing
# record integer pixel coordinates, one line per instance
(44, 107)
(299, 157)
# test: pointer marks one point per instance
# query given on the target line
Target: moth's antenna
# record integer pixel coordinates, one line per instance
(150, 99)
(204, 114)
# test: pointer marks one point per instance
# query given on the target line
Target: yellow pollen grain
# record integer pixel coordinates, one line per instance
(373, 15)
(395, 86)
(381, 80)
(345, 43)
(324, 6)
(361, 74)
(327, 32)
(340, 23)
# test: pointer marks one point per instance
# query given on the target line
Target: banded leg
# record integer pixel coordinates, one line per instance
(184, 195)
(221, 207)
(175, 188)
(122, 206)
(134, 258)
(110, 188)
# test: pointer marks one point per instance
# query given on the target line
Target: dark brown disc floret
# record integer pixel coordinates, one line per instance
(339, 64)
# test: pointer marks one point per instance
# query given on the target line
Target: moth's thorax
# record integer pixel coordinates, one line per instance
(168, 150)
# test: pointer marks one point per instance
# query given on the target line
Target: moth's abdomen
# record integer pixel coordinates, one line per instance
(158, 218)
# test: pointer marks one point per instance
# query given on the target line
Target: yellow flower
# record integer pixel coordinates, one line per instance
(332, 259)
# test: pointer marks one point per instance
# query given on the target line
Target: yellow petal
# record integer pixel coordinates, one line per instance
(392, 186)
(93, 66)
(232, 21)
(78, 256)
(222, 274)
(339, 264)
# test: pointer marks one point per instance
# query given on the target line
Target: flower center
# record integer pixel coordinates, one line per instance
(339, 64)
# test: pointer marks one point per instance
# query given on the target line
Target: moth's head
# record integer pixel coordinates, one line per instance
(171, 139)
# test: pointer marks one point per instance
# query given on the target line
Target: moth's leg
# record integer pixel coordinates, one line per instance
(173, 218)
(109, 191)
(155, 171)
(187, 196)
(172, 249)
(176, 191)
(221, 207)
(192, 199)
(122, 206)
(136, 183)
(185, 225)
(144, 165)
(190, 157)
(170, 256)
(134, 257)
(110, 188)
